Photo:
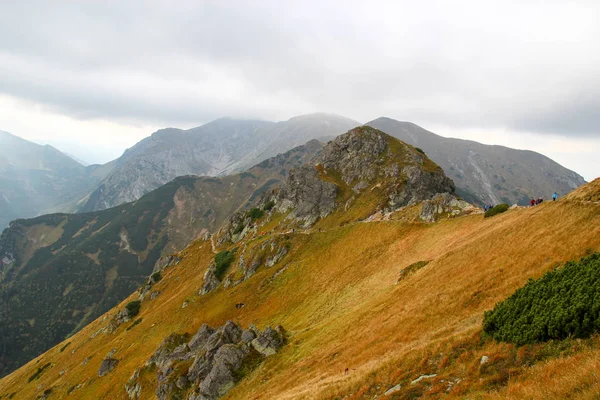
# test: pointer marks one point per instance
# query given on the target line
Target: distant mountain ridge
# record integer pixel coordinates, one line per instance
(486, 173)
(36, 179)
(220, 147)
(482, 173)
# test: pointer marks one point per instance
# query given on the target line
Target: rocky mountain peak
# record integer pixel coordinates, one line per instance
(360, 173)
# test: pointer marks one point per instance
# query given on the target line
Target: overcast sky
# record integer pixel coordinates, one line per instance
(93, 78)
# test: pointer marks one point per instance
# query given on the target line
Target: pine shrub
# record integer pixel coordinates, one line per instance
(561, 304)
(499, 209)
(133, 307)
(223, 260)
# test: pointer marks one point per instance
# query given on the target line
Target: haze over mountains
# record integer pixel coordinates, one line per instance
(55, 182)
(220, 147)
(37, 179)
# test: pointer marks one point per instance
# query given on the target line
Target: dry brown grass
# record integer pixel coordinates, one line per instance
(339, 301)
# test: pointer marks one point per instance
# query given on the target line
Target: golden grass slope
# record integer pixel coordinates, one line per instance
(340, 302)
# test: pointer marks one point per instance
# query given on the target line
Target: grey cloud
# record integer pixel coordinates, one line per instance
(498, 64)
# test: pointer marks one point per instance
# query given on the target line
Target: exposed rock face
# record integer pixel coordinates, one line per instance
(210, 364)
(270, 341)
(107, 365)
(363, 158)
(166, 261)
(307, 196)
(446, 204)
(210, 279)
(354, 154)
(133, 387)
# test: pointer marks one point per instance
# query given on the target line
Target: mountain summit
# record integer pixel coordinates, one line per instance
(220, 147)
(487, 174)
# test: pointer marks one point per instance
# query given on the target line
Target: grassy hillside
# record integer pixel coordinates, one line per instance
(342, 295)
(58, 272)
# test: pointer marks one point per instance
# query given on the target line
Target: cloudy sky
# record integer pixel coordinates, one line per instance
(93, 78)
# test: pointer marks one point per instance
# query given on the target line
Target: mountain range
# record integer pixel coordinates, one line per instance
(483, 174)
(360, 274)
(37, 179)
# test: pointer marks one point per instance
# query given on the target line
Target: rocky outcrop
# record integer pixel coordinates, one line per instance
(134, 387)
(211, 282)
(446, 204)
(165, 262)
(269, 342)
(307, 196)
(208, 365)
(108, 364)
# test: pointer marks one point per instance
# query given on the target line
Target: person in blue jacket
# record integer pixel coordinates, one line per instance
(554, 196)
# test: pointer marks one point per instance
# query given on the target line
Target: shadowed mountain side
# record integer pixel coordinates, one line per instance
(58, 272)
(37, 179)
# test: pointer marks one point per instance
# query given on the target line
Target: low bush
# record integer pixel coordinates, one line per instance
(419, 150)
(156, 277)
(223, 260)
(499, 209)
(255, 213)
(133, 308)
(269, 206)
(39, 372)
(561, 304)
(134, 324)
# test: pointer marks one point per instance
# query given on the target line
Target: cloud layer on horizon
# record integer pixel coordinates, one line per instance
(506, 64)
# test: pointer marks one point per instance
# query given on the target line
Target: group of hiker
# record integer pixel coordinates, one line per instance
(532, 202)
(540, 200)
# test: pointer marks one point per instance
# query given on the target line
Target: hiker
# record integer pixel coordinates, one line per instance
(532, 202)
(554, 196)
(485, 208)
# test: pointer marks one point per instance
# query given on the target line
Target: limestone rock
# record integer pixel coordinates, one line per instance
(306, 195)
(210, 279)
(393, 389)
(107, 365)
(445, 204)
(220, 380)
(133, 386)
(201, 337)
(218, 358)
(268, 342)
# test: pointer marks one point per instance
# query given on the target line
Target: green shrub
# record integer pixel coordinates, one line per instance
(64, 347)
(238, 228)
(269, 206)
(133, 307)
(255, 213)
(419, 150)
(499, 209)
(412, 268)
(223, 260)
(39, 372)
(561, 304)
(156, 277)
(135, 323)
